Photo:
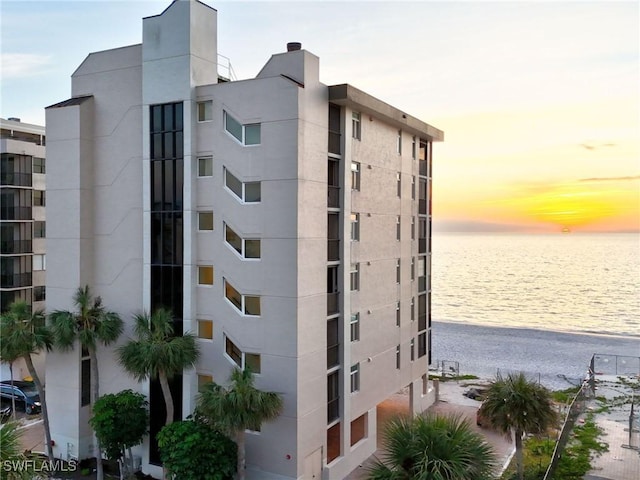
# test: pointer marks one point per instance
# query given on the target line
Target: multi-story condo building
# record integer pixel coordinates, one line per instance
(285, 221)
(22, 219)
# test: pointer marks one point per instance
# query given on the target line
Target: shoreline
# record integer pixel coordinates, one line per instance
(627, 336)
(557, 359)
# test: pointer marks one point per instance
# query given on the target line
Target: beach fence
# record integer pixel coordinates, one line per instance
(576, 408)
(607, 364)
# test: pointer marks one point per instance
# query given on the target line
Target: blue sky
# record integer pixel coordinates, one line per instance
(517, 87)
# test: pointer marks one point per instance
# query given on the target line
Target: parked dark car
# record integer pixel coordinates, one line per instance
(25, 393)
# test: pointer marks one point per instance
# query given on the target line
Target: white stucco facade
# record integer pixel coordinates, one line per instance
(242, 176)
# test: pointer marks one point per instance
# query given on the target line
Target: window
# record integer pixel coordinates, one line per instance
(399, 143)
(355, 226)
(397, 314)
(233, 352)
(413, 268)
(422, 344)
(398, 271)
(413, 187)
(205, 329)
(248, 134)
(246, 304)
(38, 165)
(355, 378)
(355, 276)
(355, 125)
(399, 184)
(205, 275)
(39, 229)
(333, 343)
(39, 293)
(205, 221)
(205, 166)
(413, 309)
(398, 357)
(205, 111)
(252, 361)
(333, 396)
(413, 147)
(243, 360)
(203, 379)
(85, 376)
(247, 248)
(355, 176)
(398, 227)
(413, 228)
(413, 349)
(38, 198)
(39, 262)
(248, 192)
(355, 327)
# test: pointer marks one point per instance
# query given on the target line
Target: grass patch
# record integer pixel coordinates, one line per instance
(565, 396)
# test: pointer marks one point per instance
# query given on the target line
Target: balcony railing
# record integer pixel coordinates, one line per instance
(16, 246)
(333, 250)
(334, 143)
(332, 303)
(333, 200)
(15, 213)
(15, 280)
(17, 179)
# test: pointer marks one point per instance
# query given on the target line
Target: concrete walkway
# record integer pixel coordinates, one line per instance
(621, 462)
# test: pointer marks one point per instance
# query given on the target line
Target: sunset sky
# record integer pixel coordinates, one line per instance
(539, 101)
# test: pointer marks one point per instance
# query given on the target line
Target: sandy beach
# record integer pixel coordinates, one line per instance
(549, 355)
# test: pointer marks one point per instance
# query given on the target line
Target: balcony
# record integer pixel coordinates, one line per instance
(16, 246)
(15, 280)
(334, 143)
(333, 250)
(332, 303)
(333, 200)
(15, 213)
(16, 179)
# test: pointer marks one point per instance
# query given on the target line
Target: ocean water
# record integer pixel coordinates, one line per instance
(581, 283)
(542, 304)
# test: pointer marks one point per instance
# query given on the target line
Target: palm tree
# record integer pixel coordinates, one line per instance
(157, 353)
(24, 333)
(433, 447)
(515, 404)
(9, 354)
(91, 324)
(12, 451)
(237, 408)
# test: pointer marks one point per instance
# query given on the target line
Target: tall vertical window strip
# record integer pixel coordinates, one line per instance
(166, 236)
(355, 327)
(399, 142)
(355, 378)
(355, 226)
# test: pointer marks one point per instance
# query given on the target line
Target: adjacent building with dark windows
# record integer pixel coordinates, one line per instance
(22, 219)
(285, 222)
